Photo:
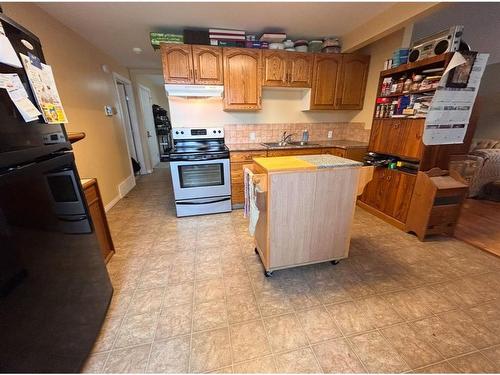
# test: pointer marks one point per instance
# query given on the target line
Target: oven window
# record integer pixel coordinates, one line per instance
(199, 175)
(62, 188)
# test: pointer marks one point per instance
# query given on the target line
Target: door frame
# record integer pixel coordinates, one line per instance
(143, 109)
(137, 139)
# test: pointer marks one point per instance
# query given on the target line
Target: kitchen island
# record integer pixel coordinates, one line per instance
(306, 208)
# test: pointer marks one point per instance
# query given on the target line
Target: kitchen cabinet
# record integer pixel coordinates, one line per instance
(286, 69)
(177, 61)
(326, 70)
(292, 152)
(242, 79)
(192, 64)
(207, 63)
(98, 215)
(238, 159)
(390, 192)
(350, 92)
(399, 137)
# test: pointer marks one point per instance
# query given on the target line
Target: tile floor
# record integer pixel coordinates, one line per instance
(190, 296)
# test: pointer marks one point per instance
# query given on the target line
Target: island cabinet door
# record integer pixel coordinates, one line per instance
(352, 81)
(177, 60)
(274, 68)
(299, 69)
(325, 76)
(207, 62)
(242, 79)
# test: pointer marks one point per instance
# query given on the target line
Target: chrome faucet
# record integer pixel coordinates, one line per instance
(285, 138)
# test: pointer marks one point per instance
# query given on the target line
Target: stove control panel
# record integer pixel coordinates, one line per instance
(197, 133)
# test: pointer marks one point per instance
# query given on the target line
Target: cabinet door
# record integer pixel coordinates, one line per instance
(399, 188)
(207, 62)
(325, 75)
(177, 63)
(374, 193)
(274, 68)
(336, 151)
(299, 69)
(410, 133)
(383, 139)
(242, 79)
(352, 82)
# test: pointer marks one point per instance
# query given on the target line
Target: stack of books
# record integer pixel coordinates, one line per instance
(227, 38)
(400, 57)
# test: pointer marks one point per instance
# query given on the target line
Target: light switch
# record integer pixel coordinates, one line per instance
(108, 110)
(330, 134)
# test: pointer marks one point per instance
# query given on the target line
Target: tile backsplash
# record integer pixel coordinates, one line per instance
(318, 131)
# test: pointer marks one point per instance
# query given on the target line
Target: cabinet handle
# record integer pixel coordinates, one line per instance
(396, 125)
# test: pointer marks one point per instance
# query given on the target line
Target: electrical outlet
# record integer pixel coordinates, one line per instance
(330, 134)
(252, 136)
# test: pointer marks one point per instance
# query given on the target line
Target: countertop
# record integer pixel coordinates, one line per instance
(304, 162)
(341, 143)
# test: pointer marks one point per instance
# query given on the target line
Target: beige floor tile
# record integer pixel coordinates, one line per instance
(179, 294)
(108, 334)
(224, 370)
(248, 340)
(237, 284)
(473, 363)
(300, 361)
(146, 301)
(210, 350)
(475, 333)
(137, 330)
(301, 296)
(273, 302)
(264, 365)
(493, 354)
(210, 315)
(233, 265)
(488, 315)
(437, 368)
(351, 318)
(377, 354)
(210, 269)
(285, 333)
(154, 278)
(95, 363)
(174, 321)
(170, 356)
(433, 301)
(412, 346)
(242, 307)
(209, 289)
(336, 357)
(407, 306)
(380, 312)
(181, 272)
(130, 360)
(329, 292)
(443, 337)
(318, 325)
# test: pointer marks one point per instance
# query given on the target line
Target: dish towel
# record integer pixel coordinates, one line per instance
(250, 211)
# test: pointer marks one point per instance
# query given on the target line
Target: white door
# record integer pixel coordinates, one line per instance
(126, 120)
(149, 123)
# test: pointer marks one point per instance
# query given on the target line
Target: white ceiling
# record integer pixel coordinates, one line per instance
(118, 27)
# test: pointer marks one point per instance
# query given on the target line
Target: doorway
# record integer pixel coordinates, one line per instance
(146, 103)
(128, 115)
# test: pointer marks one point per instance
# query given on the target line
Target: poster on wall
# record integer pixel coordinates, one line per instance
(451, 106)
(44, 87)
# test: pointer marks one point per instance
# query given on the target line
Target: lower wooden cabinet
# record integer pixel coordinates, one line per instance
(240, 158)
(98, 215)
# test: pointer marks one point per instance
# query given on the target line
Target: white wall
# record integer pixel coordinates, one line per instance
(278, 106)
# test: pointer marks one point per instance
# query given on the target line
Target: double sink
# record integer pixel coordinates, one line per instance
(289, 144)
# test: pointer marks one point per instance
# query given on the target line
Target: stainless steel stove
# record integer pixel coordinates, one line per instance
(199, 163)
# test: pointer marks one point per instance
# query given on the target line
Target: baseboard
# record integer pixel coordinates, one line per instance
(126, 185)
(110, 205)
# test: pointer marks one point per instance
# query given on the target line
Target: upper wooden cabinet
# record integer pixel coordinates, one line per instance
(177, 61)
(207, 62)
(242, 79)
(325, 76)
(286, 69)
(399, 137)
(186, 64)
(352, 81)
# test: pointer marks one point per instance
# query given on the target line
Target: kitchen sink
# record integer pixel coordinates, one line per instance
(288, 144)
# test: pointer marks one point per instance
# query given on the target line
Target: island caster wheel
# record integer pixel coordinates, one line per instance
(256, 251)
(335, 262)
(268, 273)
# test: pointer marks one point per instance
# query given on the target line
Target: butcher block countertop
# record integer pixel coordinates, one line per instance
(304, 162)
(342, 143)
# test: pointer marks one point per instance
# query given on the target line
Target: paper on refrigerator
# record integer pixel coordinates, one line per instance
(451, 108)
(44, 88)
(7, 53)
(17, 93)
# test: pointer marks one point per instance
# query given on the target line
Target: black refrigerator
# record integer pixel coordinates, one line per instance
(54, 287)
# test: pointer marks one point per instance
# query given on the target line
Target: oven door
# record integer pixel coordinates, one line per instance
(201, 179)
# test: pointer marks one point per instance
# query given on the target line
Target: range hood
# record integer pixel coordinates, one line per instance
(199, 91)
